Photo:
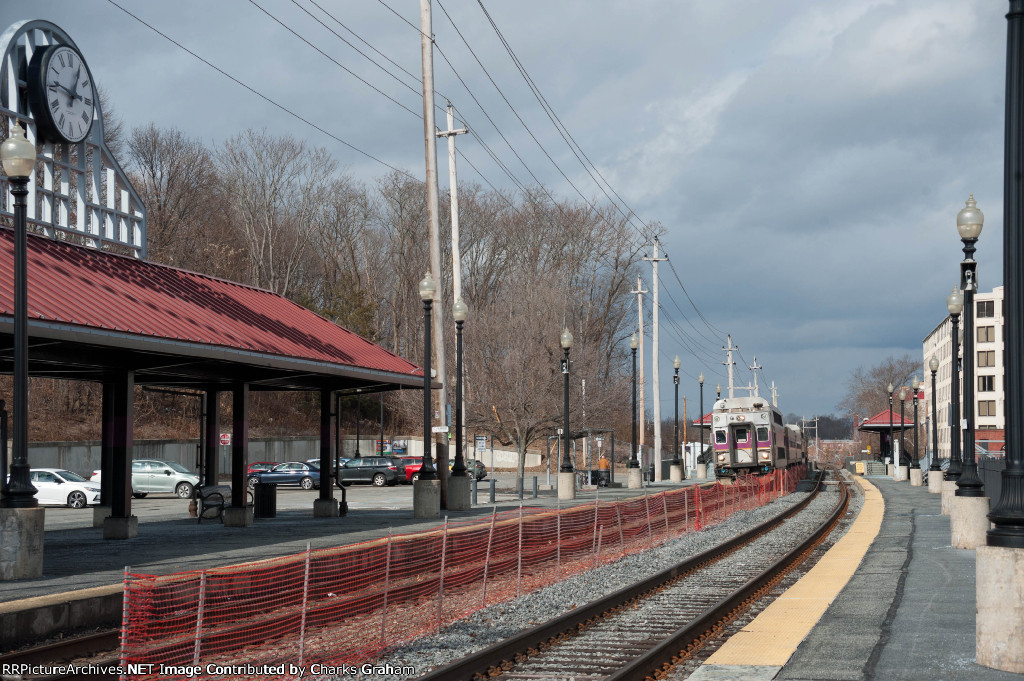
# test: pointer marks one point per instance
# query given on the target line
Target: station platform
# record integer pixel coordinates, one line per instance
(906, 613)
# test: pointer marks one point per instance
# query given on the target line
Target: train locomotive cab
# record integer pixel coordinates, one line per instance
(749, 436)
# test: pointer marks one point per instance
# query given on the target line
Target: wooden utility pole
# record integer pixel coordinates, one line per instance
(655, 373)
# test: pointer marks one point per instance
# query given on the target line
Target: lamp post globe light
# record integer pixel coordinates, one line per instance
(460, 311)
(675, 381)
(892, 452)
(633, 463)
(18, 157)
(565, 339)
(933, 365)
(955, 305)
(718, 391)
(969, 222)
(427, 290)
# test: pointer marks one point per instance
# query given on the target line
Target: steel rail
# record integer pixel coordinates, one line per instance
(497, 656)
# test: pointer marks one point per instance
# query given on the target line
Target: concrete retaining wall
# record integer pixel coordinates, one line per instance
(35, 619)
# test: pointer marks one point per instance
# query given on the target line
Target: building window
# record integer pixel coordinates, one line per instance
(986, 334)
(986, 384)
(986, 308)
(987, 358)
(987, 408)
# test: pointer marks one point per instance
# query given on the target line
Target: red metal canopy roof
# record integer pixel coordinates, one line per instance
(96, 290)
(881, 419)
(704, 422)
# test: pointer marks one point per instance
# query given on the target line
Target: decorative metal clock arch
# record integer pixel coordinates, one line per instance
(78, 192)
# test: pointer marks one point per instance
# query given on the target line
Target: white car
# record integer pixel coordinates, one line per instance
(59, 487)
(153, 475)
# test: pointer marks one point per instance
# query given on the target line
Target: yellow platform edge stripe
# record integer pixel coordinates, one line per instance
(773, 636)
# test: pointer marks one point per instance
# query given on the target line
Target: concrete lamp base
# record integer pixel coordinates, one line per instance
(915, 477)
(702, 471)
(635, 479)
(426, 499)
(459, 493)
(890, 470)
(566, 486)
(325, 508)
(968, 522)
(99, 514)
(935, 482)
(21, 543)
(675, 473)
(948, 490)
(238, 517)
(120, 528)
(999, 602)
(900, 474)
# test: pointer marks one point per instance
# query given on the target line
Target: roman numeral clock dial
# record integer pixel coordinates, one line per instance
(61, 94)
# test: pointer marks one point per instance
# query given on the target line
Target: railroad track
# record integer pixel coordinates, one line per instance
(638, 629)
(96, 652)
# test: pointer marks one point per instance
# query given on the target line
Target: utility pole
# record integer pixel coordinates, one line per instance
(453, 193)
(775, 395)
(656, 374)
(804, 427)
(640, 380)
(729, 363)
(438, 319)
(754, 368)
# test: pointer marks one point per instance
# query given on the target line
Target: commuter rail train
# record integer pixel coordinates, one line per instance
(750, 437)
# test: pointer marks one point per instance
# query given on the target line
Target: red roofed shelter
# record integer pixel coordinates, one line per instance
(879, 423)
(97, 316)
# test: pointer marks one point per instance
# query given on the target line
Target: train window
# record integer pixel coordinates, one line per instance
(777, 418)
(720, 437)
(741, 435)
(762, 434)
(782, 452)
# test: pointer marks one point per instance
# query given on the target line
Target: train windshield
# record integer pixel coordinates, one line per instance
(720, 437)
(762, 434)
(741, 435)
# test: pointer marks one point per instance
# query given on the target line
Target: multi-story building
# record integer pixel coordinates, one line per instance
(988, 371)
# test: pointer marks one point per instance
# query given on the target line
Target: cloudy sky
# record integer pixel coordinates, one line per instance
(808, 158)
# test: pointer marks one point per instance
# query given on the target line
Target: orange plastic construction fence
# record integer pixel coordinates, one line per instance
(324, 609)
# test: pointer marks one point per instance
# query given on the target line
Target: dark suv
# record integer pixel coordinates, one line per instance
(376, 470)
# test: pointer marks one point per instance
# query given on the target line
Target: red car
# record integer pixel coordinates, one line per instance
(259, 466)
(412, 467)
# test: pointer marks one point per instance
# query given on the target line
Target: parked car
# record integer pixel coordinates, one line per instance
(376, 470)
(59, 487)
(316, 461)
(305, 475)
(476, 468)
(153, 475)
(412, 467)
(259, 466)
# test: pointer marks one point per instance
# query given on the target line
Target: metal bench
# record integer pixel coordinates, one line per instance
(212, 500)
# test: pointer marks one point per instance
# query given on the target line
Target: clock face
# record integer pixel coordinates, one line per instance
(61, 93)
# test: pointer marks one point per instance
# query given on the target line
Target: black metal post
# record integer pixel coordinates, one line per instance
(427, 471)
(358, 416)
(675, 446)
(633, 463)
(954, 470)
(969, 484)
(19, 491)
(892, 452)
(1008, 513)
(917, 462)
(459, 469)
(3, 443)
(381, 396)
(903, 431)
(701, 419)
(566, 466)
(935, 430)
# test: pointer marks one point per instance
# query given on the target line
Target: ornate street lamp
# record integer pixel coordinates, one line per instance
(903, 401)
(675, 380)
(633, 463)
(566, 340)
(427, 290)
(969, 222)
(18, 157)
(718, 392)
(459, 312)
(933, 364)
(892, 451)
(955, 305)
(916, 385)
(700, 381)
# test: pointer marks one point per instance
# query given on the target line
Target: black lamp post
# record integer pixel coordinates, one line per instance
(903, 401)
(892, 452)
(700, 381)
(633, 463)
(675, 380)
(916, 385)
(459, 312)
(969, 222)
(933, 364)
(18, 157)
(1008, 513)
(427, 290)
(566, 341)
(955, 305)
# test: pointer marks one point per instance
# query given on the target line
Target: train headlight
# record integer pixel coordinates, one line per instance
(765, 455)
(721, 457)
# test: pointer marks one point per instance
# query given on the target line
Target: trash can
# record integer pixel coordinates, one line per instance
(602, 478)
(264, 500)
